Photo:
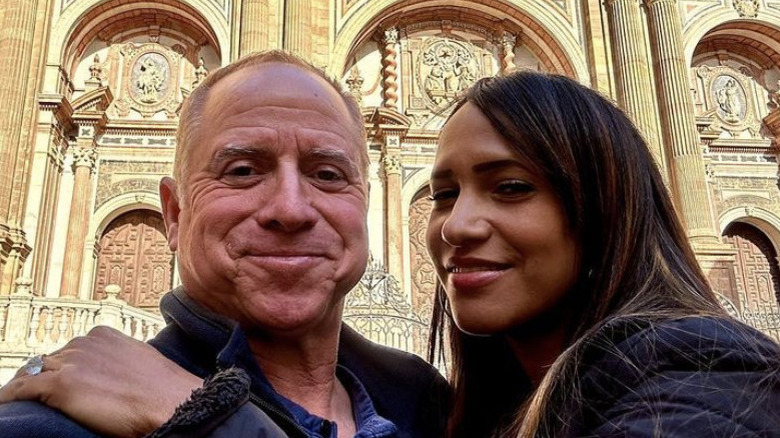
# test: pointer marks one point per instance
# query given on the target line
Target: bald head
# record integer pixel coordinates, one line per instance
(193, 109)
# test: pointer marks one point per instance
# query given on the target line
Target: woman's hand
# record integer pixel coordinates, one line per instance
(108, 382)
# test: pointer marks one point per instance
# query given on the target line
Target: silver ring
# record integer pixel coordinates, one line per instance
(34, 365)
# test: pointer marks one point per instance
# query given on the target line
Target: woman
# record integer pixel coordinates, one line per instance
(580, 308)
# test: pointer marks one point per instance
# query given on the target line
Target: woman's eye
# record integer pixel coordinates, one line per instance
(513, 188)
(443, 195)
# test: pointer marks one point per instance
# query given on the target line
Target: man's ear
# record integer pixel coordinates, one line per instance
(169, 197)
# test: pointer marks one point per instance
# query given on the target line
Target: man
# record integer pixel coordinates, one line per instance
(267, 215)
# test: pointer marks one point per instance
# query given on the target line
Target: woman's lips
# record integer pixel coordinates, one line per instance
(474, 277)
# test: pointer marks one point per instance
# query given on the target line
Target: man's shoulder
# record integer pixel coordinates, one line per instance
(26, 419)
(357, 351)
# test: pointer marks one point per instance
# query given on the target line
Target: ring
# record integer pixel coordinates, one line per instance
(34, 365)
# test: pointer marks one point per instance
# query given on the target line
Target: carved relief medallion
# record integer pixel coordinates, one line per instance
(446, 68)
(150, 78)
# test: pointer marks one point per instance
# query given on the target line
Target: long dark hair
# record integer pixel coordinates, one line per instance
(635, 259)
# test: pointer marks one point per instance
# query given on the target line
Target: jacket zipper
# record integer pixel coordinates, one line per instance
(279, 415)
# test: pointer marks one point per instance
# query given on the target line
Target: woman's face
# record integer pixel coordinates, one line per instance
(498, 234)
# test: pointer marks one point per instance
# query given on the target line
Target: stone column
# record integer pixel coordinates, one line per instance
(508, 42)
(297, 27)
(17, 34)
(679, 123)
(84, 160)
(632, 72)
(254, 26)
(389, 66)
(394, 245)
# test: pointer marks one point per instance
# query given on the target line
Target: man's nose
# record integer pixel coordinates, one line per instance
(465, 224)
(287, 204)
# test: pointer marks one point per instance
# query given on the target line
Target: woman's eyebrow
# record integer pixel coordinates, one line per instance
(495, 165)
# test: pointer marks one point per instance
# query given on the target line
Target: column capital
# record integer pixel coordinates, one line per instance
(392, 164)
(84, 157)
(390, 35)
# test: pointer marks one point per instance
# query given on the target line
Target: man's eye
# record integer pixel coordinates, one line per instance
(241, 170)
(514, 188)
(328, 175)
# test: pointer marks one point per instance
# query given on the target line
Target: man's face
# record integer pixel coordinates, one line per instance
(271, 226)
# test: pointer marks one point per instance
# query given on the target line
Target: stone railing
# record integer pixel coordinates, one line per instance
(31, 325)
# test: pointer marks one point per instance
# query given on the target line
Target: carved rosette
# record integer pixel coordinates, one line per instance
(84, 157)
(390, 64)
(446, 67)
(746, 8)
(150, 79)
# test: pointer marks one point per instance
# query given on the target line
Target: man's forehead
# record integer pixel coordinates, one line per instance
(278, 83)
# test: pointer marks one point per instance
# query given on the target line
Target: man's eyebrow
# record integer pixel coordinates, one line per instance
(334, 155)
(239, 151)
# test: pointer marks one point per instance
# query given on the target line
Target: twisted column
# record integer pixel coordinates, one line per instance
(508, 42)
(678, 121)
(254, 27)
(84, 159)
(389, 65)
(632, 72)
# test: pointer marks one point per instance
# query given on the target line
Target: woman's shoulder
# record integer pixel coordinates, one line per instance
(693, 341)
(680, 376)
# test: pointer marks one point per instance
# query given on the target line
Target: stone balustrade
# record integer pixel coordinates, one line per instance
(31, 325)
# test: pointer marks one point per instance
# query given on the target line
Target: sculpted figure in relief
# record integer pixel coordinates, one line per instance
(728, 100)
(150, 81)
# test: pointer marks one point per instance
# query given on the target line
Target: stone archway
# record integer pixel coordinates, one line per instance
(134, 254)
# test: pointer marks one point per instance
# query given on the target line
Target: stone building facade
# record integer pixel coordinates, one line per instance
(89, 93)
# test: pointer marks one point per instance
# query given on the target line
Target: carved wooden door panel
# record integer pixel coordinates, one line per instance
(423, 273)
(757, 269)
(134, 254)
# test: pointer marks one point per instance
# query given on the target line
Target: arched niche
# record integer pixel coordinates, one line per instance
(541, 31)
(736, 72)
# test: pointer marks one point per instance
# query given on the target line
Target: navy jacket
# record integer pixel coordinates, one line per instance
(691, 377)
(403, 388)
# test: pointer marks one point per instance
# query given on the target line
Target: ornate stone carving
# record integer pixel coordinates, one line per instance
(447, 68)
(84, 157)
(151, 78)
(392, 164)
(95, 72)
(729, 100)
(200, 73)
(746, 8)
(355, 83)
(508, 42)
(423, 272)
(117, 177)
